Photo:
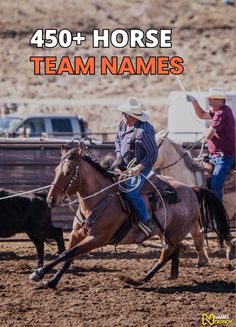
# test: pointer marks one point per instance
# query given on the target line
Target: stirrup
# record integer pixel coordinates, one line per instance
(147, 231)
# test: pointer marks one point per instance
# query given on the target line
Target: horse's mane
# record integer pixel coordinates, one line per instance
(100, 165)
(190, 162)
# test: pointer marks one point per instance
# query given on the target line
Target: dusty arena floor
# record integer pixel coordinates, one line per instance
(92, 293)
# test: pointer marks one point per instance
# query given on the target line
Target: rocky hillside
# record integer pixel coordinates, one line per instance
(203, 34)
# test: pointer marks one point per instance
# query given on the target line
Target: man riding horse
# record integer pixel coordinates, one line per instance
(220, 136)
(135, 143)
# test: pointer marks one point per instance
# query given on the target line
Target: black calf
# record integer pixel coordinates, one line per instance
(31, 215)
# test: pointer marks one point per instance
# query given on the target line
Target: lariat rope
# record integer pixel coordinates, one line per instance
(127, 173)
(201, 151)
(26, 192)
(104, 189)
(123, 189)
(130, 165)
(161, 198)
(119, 182)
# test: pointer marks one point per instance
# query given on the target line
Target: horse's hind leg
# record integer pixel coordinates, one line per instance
(199, 242)
(166, 254)
(175, 263)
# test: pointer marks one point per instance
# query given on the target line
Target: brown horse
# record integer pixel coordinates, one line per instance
(104, 214)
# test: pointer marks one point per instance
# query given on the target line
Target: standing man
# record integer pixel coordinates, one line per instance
(136, 142)
(220, 136)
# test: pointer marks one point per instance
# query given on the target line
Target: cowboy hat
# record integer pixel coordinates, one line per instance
(217, 93)
(134, 108)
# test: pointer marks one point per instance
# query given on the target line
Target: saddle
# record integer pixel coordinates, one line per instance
(206, 173)
(167, 192)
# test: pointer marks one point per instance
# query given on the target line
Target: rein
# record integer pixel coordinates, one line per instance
(183, 155)
(105, 189)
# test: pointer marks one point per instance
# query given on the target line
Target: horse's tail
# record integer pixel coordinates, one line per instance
(213, 214)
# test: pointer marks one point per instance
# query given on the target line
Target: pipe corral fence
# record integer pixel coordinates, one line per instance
(28, 164)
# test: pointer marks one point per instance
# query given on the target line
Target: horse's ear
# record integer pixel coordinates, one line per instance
(82, 147)
(80, 151)
(63, 150)
(163, 134)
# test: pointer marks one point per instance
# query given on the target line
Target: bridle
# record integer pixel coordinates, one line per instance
(74, 175)
(69, 156)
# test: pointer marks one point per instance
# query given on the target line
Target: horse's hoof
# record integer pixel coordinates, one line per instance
(39, 265)
(230, 267)
(172, 277)
(132, 282)
(201, 264)
(231, 253)
(37, 275)
(128, 282)
(48, 284)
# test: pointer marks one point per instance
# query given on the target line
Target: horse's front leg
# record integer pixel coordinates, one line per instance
(52, 283)
(88, 244)
(76, 236)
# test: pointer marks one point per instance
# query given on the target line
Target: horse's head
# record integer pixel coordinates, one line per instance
(66, 174)
(161, 140)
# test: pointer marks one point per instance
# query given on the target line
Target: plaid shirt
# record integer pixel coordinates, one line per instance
(146, 150)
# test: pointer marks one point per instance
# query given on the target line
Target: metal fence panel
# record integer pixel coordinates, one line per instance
(30, 164)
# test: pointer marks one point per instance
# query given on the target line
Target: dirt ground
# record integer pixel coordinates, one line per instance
(92, 293)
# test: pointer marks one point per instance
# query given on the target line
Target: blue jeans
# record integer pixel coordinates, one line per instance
(134, 197)
(222, 167)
